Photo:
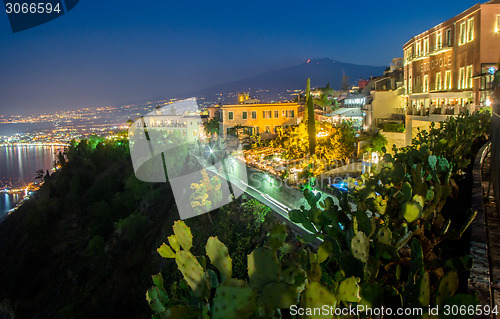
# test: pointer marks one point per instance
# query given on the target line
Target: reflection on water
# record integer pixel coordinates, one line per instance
(18, 166)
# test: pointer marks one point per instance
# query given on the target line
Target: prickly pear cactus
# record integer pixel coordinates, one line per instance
(348, 290)
(360, 247)
(412, 211)
(193, 273)
(183, 235)
(424, 289)
(233, 299)
(219, 256)
(263, 267)
(316, 295)
(174, 243)
(448, 285)
(278, 295)
(165, 251)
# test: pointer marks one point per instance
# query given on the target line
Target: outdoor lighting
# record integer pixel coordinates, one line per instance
(295, 170)
(211, 151)
(488, 102)
(375, 158)
(322, 134)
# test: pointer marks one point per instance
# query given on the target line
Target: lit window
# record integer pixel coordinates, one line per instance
(470, 30)
(230, 115)
(426, 83)
(461, 79)
(497, 26)
(461, 39)
(426, 46)
(469, 77)
(438, 81)
(447, 80)
(410, 85)
(439, 41)
(244, 115)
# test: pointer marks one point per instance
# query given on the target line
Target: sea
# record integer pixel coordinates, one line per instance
(19, 164)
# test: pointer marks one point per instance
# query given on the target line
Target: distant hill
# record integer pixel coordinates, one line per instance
(321, 72)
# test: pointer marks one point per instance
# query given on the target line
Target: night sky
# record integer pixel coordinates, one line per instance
(114, 52)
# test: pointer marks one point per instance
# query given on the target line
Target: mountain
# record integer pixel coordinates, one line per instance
(321, 72)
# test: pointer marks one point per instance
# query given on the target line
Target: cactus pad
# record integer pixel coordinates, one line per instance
(183, 234)
(448, 285)
(219, 256)
(360, 247)
(384, 235)
(412, 211)
(172, 240)
(233, 299)
(193, 272)
(263, 267)
(165, 251)
(348, 290)
(316, 296)
(278, 295)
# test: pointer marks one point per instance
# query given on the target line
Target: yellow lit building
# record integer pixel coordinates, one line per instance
(259, 118)
(449, 68)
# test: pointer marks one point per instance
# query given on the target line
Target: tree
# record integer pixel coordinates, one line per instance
(311, 126)
(212, 126)
(345, 82)
(323, 101)
(308, 93)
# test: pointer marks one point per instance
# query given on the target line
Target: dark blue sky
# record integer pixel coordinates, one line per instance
(111, 52)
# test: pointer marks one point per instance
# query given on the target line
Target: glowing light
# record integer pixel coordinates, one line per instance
(375, 158)
(308, 61)
(296, 170)
(322, 134)
(211, 151)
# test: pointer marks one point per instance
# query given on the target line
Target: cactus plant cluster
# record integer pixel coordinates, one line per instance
(386, 251)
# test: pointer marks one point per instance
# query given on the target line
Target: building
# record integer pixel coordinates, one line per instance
(188, 125)
(259, 118)
(447, 69)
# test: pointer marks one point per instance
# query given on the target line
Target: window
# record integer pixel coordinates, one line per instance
(290, 113)
(497, 26)
(245, 115)
(410, 85)
(447, 80)
(426, 83)
(438, 81)
(469, 77)
(268, 129)
(426, 46)
(418, 48)
(448, 38)
(439, 41)
(276, 114)
(470, 30)
(266, 114)
(461, 78)
(254, 114)
(230, 115)
(461, 39)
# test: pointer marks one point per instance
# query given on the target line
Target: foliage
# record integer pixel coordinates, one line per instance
(212, 126)
(394, 127)
(338, 145)
(307, 95)
(376, 142)
(451, 139)
(311, 126)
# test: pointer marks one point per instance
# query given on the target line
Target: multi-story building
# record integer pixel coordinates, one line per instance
(448, 68)
(188, 125)
(259, 118)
